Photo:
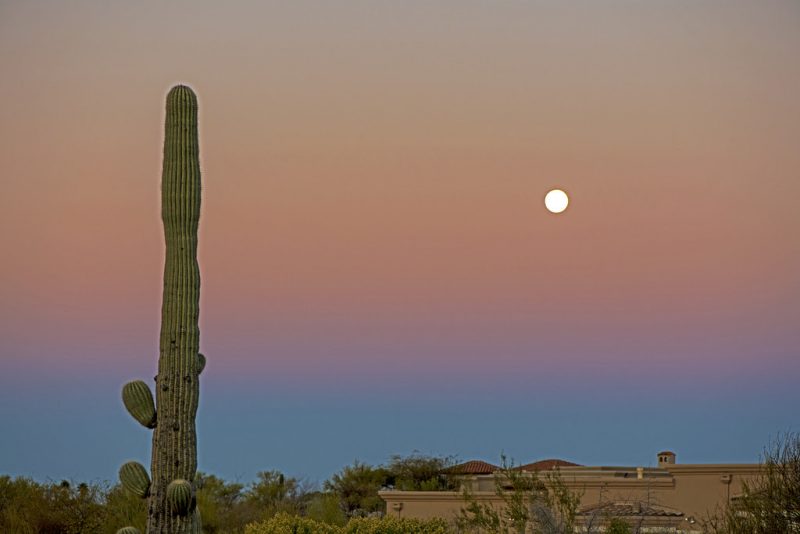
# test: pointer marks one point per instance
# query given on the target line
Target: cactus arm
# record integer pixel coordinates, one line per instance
(139, 402)
(134, 479)
(179, 497)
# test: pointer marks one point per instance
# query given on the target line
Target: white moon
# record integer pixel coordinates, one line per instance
(556, 201)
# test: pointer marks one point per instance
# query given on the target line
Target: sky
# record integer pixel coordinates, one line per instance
(379, 273)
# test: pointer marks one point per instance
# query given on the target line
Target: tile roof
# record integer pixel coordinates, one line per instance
(628, 508)
(546, 465)
(473, 467)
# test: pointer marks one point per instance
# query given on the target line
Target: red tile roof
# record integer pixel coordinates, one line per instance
(473, 467)
(546, 465)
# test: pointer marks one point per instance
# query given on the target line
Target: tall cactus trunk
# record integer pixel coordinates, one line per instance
(171, 493)
(177, 386)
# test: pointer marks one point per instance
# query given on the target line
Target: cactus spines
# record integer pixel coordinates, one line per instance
(139, 401)
(128, 530)
(174, 458)
(197, 522)
(179, 496)
(135, 479)
(175, 439)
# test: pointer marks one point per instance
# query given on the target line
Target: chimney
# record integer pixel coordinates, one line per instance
(666, 458)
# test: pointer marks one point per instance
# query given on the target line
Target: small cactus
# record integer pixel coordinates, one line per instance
(139, 402)
(197, 522)
(179, 496)
(128, 530)
(135, 479)
(201, 362)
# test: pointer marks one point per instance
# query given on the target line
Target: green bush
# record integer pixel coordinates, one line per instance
(394, 525)
(287, 524)
(325, 507)
(123, 509)
(283, 523)
(618, 526)
(27, 506)
(357, 486)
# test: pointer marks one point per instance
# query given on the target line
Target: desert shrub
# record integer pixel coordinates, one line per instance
(771, 502)
(325, 507)
(20, 502)
(288, 524)
(221, 505)
(421, 472)
(394, 525)
(357, 486)
(283, 523)
(618, 526)
(27, 506)
(124, 509)
(530, 503)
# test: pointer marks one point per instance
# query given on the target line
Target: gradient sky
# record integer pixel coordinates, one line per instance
(379, 274)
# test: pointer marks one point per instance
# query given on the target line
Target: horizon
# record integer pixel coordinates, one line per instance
(379, 274)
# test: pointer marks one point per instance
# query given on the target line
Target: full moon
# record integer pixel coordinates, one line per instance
(556, 201)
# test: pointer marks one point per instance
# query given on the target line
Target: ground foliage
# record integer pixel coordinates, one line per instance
(529, 503)
(287, 524)
(358, 485)
(770, 504)
(31, 507)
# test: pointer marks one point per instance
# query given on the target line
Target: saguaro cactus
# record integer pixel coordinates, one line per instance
(139, 401)
(174, 456)
(134, 478)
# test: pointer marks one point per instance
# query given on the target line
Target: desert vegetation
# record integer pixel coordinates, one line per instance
(272, 503)
(348, 502)
(530, 503)
(771, 503)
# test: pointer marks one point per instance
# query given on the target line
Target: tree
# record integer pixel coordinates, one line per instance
(220, 504)
(418, 472)
(357, 486)
(324, 507)
(275, 492)
(27, 506)
(528, 504)
(770, 503)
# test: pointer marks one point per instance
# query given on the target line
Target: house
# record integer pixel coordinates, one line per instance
(671, 497)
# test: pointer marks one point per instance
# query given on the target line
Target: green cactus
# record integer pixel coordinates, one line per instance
(139, 401)
(197, 522)
(135, 479)
(128, 530)
(179, 496)
(174, 456)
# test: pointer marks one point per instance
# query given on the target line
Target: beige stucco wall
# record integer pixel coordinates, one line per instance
(701, 489)
(696, 490)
